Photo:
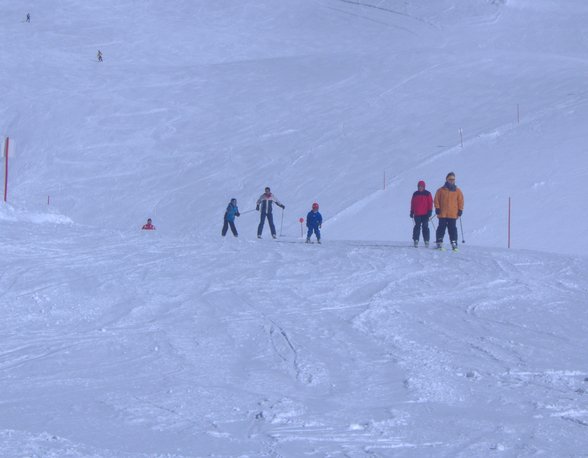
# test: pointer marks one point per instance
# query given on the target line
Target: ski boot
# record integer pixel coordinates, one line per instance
(274, 236)
(308, 240)
(426, 244)
(454, 246)
(439, 246)
(415, 243)
(259, 236)
(318, 241)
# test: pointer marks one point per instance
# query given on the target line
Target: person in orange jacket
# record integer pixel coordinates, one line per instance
(148, 226)
(448, 207)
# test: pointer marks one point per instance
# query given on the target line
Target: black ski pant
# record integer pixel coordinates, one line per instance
(226, 225)
(270, 220)
(451, 225)
(421, 221)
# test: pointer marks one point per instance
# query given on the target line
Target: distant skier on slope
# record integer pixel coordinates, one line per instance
(99, 55)
(265, 204)
(149, 226)
(448, 207)
(28, 17)
(229, 218)
(314, 221)
(421, 209)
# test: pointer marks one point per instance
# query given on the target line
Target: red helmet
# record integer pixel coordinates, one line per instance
(315, 206)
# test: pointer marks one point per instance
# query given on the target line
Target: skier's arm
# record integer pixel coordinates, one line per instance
(278, 203)
(437, 203)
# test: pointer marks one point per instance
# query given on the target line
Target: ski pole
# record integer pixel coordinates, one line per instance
(248, 211)
(282, 222)
(432, 222)
(461, 226)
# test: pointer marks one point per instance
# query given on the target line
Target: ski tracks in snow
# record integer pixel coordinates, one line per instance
(284, 349)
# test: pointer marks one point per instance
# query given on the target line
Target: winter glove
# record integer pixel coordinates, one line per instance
(437, 211)
(283, 207)
(257, 207)
(411, 214)
(429, 214)
(459, 213)
(237, 214)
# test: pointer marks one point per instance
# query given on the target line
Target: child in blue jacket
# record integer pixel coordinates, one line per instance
(229, 219)
(314, 221)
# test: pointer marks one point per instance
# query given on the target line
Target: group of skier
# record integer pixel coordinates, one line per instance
(265, 205)
(448, 204)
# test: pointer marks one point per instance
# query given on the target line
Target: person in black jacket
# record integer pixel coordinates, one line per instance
(265, 205)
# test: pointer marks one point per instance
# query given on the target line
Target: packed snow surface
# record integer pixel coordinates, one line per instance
(177, 342)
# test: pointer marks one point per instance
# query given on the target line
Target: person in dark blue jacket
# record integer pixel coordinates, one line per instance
(314, 221)
(229, 219)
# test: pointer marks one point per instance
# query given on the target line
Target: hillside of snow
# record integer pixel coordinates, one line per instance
(179, 343)
(197, 102)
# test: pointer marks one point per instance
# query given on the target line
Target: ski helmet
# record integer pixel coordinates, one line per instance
(421, 183)
(315, 206)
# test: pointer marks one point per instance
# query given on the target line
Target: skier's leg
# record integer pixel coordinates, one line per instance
(225, 227)
(452, 229)
(308, 233)
(233, 228)
(317, 231)
(261, 223)
(416, 230)
(441, 229)
(270, 220)
(425, 225)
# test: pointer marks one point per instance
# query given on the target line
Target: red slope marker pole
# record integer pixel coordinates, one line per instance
(301, 221)
(6, 147)
(509, 222)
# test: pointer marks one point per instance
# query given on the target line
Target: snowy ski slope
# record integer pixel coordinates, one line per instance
(178, 343)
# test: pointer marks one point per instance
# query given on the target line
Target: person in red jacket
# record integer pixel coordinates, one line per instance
(148, 226)
(421, 209)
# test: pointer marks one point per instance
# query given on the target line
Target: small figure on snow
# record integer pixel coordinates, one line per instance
(265, 204)
(314, 221)
(99, 55)
(28, 17)
(149, 226)
(448, 207)
(229, 218)
(421, 209)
